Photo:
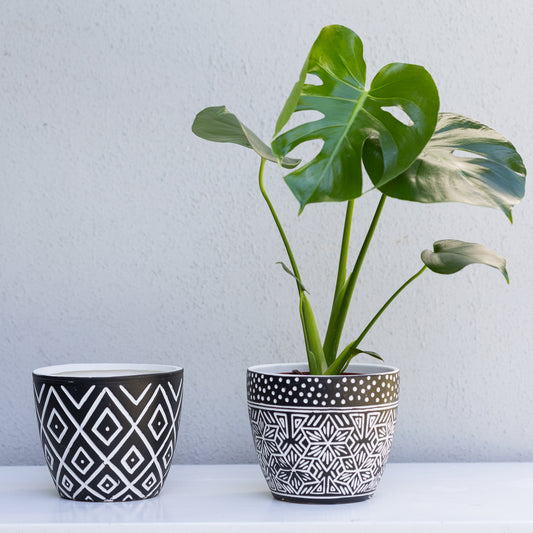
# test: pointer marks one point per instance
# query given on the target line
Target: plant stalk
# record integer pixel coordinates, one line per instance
(343, 259)
(280, 228)
(342, 302)
(313, 344)
(338, 365)
(387, 303)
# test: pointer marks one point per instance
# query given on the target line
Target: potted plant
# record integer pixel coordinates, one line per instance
(323, 429)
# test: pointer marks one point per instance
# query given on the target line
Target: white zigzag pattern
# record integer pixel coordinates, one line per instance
(80, 430)
(136, 401)
(82, 401)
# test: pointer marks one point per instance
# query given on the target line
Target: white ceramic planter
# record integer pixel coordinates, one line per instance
(108, 431)
(322, 439)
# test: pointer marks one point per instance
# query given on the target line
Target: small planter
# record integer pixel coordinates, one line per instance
(322, 439)
(108, 431)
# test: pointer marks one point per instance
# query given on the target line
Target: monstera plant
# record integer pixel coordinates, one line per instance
(391, 127)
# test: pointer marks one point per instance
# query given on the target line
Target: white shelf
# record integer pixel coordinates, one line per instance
(411, 498)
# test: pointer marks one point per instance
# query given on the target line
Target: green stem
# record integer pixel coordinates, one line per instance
(280, 228)
(342, 302)
(343, 259)
(370, 233)
(313, 345)
(387, 303)
(338, 365)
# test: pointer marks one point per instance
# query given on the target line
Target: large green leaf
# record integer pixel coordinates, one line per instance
(492, 174)
(352, 115)
(450, 256)
(219, 125)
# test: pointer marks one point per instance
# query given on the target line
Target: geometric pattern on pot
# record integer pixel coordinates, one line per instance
(325, 450)
(109, 439)
(329, 456)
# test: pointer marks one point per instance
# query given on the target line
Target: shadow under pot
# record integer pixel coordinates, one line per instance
(322, 439)
(108, 431)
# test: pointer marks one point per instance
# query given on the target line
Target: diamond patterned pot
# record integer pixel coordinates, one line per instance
(322, 439)
(108, 431)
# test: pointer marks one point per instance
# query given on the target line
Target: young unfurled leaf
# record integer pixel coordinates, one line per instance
(352, 115)
(291, 273)
(219, 125)
(450, 256)
(464, 161)
(315, 354)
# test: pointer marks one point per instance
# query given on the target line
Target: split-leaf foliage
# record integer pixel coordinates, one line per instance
(393, 130)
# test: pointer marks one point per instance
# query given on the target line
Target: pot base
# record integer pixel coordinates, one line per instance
(129, 498)
(321, 501)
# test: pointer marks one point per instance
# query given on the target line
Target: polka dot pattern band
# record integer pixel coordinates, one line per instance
(298, 390)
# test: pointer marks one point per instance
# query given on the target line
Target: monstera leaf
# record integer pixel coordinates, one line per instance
(219, 125)
(352, 115)
(450, 256)
(464, 161)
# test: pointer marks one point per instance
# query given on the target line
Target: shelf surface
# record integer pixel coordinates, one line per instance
(412, 497)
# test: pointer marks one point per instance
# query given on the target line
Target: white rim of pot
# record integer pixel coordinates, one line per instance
(104, 370)
(359, 368)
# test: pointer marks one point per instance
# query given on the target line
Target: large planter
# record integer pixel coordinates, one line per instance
(322, 439)
(108, 431)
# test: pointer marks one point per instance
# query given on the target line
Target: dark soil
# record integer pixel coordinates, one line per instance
(299, 373)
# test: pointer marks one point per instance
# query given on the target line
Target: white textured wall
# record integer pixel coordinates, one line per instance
(125, 238)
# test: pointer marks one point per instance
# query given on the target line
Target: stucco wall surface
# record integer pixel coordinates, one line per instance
(124, 238)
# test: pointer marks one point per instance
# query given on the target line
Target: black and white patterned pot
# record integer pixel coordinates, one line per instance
(108, 431)
(322, 439)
